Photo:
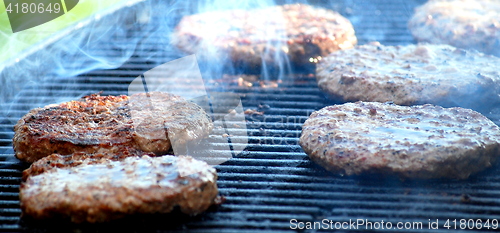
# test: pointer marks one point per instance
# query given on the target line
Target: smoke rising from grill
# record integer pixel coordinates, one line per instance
(45, 73)
(95, 43)
(148, 26)
(102, 42)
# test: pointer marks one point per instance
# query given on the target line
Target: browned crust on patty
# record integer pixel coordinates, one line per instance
(56, 128)
(411, 74)
(467, 24)
(110, 124)
(110, 190)
(252, 37)
(424, 141)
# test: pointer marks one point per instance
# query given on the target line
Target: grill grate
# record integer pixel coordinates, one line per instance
(272, 181)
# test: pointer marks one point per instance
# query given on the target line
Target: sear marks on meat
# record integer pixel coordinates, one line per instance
(423, 141)
(143, 122)
(112, 189)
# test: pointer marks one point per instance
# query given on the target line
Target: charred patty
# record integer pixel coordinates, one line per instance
(465, 24)
(423, 141)
(411, 74)
(151, 122)
(252, 37)
(113, 189)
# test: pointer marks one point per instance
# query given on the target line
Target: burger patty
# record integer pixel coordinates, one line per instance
(465, 24)
(252, 37)
(411, 74)
(423, 141)
(113, 189)
(152, 122)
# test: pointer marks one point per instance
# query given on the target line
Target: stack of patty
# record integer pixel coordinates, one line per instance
(104, 157)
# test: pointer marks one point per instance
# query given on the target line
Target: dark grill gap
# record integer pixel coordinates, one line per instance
(273, 181)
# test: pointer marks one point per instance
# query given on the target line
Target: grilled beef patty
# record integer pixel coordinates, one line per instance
(411, 74)
(424, 141)
(465, 24)
(140, 123)
(255, 37)
(113, 189)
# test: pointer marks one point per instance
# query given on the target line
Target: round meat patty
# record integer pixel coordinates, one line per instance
(298, 33)
(113, 189)
(465, 24)
(411, 74)
(423, 141)
(153, 122)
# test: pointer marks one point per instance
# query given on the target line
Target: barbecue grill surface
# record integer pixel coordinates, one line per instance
(272, 181)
